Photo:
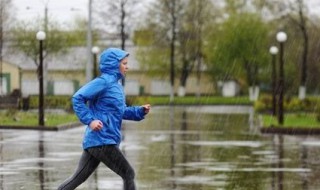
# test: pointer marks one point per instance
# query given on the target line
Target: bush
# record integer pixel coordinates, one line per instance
(188, 100)
(56, 102)
(293, 105)
(310, 104)
(264, 104)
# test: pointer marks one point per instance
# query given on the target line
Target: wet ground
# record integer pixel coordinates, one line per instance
(183, 148)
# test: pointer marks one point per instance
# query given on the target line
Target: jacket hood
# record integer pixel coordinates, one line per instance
(110, 61)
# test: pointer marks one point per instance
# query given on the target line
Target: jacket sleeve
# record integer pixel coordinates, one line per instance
(85, 95)
(135, 113)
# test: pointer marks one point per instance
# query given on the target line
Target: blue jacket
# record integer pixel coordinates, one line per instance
(103, 99)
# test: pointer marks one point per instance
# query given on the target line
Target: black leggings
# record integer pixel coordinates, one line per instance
(111, 156)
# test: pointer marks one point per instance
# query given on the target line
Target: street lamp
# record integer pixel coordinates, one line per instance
(273, 51)
(41, 36)
(89, 43)
(281, 38)
(95, 50)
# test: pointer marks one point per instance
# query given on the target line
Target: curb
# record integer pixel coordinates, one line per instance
(290, 131)
(43, 128)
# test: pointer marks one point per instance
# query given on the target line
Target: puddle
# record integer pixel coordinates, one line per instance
(201, 148)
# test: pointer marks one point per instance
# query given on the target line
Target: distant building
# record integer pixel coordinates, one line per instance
(10, 79)
(65, 73)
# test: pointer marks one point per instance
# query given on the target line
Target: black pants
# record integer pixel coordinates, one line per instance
(111, 156)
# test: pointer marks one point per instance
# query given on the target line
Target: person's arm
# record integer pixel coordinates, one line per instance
(86, 93)
(136, 113)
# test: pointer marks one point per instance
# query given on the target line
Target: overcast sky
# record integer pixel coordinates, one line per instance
(62, 10)
(66, 10)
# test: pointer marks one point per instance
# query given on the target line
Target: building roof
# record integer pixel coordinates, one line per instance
(74, 59)
(133, 63)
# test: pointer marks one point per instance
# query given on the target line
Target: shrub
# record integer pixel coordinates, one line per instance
(264, 104)
(57, 102)
(290, 104)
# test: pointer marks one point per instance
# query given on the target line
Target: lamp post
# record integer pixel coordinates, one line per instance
(41, 36)
(281, 38)
(95, 50)
(273, 51)
(89, 43)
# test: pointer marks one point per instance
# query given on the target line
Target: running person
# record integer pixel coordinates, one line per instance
(100, 105)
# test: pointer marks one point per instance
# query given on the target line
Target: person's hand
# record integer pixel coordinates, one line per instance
(146, 108)
(96, 125)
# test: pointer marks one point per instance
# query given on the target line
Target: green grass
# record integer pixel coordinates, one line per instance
(300, 120)
(19, 118)
(190, 100)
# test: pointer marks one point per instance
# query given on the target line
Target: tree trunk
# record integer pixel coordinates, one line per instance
(182, 91)
(254, 93)
(1, 43)
(303, 82)
(302, 92)
(172, 47)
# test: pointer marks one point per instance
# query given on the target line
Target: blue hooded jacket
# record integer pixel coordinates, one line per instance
(103, 99)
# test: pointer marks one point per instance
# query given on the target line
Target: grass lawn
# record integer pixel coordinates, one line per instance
(190, 100)
(30, 118)
(20, 118)
(299, 120)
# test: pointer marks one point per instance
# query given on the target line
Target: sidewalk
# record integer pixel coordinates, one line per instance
(44, 128)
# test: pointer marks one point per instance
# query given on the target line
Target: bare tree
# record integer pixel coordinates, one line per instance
(116, 16)
(314, 59)
(171, 5)
(58, 41)
(196, 18)
(301, 22)
(296, 13)
(177, 29)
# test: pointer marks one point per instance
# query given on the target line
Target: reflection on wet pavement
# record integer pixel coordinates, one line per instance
(189, 148)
